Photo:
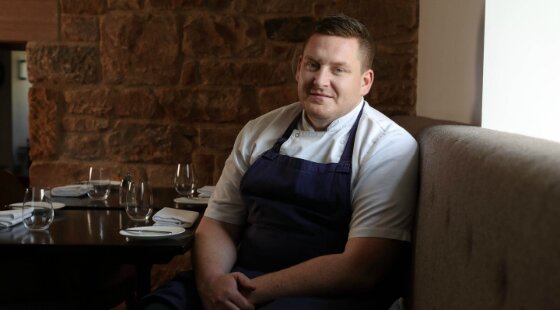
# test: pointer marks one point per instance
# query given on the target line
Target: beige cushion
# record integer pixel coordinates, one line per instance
(487, 231)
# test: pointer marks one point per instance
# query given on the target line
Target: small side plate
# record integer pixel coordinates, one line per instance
(152, 232)
(192, 201)
(55, 205)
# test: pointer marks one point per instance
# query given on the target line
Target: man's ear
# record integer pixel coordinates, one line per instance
(367, 82)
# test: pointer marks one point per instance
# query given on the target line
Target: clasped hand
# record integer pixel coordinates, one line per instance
(228, 291)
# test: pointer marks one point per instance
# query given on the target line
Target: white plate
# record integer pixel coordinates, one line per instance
(151, 232)
(55, 205)
(192, 201)
(113, 183)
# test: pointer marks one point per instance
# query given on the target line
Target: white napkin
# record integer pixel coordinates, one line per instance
(206, 191)
(75, 190)
(178, 217)
(12, 217)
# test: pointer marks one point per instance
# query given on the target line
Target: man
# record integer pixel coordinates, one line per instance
(314, 205)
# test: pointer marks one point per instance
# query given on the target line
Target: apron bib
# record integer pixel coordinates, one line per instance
(297, 209)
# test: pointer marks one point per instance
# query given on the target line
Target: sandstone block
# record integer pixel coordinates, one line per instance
(84, 146)
(125, 4)
(88, 101)
(134, 102)
(62, 64)
(174, 4)
(219, 138)
(280, 51)
(189, 73)
(219, 163)
(271, 98)
(384, 18)
(79, 28)
(161, 175)
(400, 67)
(223, 36)
(274, 6)
(203, 168)
(258, 73)
(82, 7)
(290, 29)
(394, 93)
(72, 123)
(132, 141)
(57, 173)
(201, 105)
(139, 48)
(43, 123)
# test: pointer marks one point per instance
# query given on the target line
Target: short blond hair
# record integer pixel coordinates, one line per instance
(347, 27)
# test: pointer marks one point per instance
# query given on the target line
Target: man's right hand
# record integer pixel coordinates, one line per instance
(227, 292)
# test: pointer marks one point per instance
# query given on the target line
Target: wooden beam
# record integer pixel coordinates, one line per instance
(29, 20)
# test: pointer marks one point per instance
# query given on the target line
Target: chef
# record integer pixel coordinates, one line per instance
(314, 206)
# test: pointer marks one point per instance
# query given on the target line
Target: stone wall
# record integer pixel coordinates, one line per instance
(144, 84)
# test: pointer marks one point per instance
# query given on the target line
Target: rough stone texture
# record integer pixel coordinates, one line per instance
(289, 29)
(88, 101)
(141, 85)
(138, 142)
(72, 123)
(124, 4)
(82, 6)
(57, 173)
(44, 134)
(83, 146)
(271, 98)
(62, 64)
(79, 28)
(139, 48)
(244, 73)
(219, 138)
(136, 103)
(223, 36)
(273, 6)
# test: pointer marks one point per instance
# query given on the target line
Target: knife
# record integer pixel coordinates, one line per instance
(148, 231)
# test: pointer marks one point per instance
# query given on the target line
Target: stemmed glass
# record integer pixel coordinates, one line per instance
(37, 210)
(185, 181)
(139, 201)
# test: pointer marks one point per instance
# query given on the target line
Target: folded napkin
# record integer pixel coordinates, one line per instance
(206, 191)
(177, 217)
(76, 190)
(12, 217)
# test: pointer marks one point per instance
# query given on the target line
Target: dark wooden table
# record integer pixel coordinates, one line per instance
(82, 232)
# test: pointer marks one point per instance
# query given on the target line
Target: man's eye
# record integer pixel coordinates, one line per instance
(339, 70)
(311, 66)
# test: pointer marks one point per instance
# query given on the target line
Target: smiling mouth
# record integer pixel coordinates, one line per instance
(319, 95)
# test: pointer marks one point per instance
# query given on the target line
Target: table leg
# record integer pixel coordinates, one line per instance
(144, 283)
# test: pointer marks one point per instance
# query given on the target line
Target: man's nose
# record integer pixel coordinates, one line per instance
(322, 77)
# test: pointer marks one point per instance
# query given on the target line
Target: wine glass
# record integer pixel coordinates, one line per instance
(99, 183)
(139, 201)
(124, 188)
(37, 211)
(185, 181)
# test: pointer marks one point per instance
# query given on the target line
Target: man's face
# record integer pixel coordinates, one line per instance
(330, 78)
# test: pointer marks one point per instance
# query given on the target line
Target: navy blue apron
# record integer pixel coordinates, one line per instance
(297, 209)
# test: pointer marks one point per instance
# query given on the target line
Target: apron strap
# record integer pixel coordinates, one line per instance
(348, 149)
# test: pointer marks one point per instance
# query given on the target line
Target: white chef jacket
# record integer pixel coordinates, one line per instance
(384, 167)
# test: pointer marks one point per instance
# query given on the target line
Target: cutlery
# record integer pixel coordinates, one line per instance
(147, 231)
